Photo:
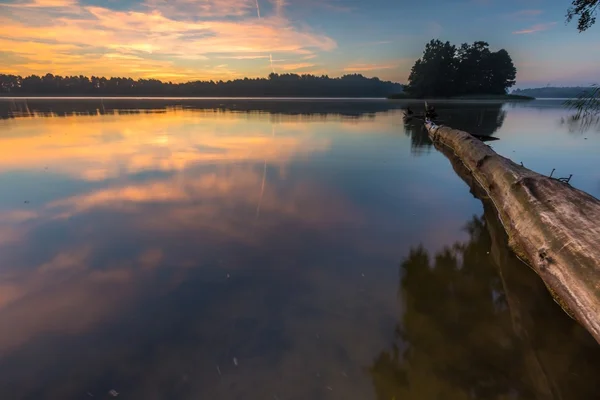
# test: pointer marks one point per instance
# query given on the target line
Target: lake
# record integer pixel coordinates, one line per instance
(275, 249)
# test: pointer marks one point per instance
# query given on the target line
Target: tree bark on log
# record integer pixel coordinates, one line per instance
(552, 226)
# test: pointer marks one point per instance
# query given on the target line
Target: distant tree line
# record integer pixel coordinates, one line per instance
(354, 85)
(554, 92)
(445, 70)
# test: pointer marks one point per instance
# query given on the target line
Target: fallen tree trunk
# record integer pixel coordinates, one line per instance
(552, 226)
(537, 323)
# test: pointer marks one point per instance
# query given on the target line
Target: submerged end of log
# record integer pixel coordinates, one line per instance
(552, 226)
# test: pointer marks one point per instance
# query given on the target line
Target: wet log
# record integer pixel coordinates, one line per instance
(536, 321)
(552, 226)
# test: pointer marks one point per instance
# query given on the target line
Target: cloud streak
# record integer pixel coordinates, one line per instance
(535, 28)
(369, 67)
(297, 66)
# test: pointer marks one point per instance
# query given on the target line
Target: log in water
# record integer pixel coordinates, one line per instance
(552, 226)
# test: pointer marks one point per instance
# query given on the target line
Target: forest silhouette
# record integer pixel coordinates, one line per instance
(445, 70)
(276, 85)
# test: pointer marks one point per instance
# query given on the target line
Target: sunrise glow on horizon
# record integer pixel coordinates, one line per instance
(183, 40)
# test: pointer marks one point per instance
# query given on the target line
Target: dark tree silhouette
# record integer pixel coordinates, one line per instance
(585, 11)
(434, 74)
(275, 85)
(445, 71)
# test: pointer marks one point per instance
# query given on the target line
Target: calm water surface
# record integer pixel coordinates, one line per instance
(247, 249)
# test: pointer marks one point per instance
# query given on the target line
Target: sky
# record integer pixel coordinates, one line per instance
(182, 40)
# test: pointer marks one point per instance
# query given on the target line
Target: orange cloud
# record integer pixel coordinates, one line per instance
(369, 67)
(153, 43)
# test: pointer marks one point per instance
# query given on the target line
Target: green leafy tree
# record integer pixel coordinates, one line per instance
(585, 11)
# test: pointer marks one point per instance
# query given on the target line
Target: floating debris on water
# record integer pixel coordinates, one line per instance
(235, 361)
(219, 371)
(113, 392)
(329, 388)
(228, 276)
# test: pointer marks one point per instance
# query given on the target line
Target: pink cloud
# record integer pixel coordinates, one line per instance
(43, 4)
(294, 67)
(535, 28)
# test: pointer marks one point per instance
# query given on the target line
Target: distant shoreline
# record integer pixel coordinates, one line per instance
(512, 97)
(279, 98)
(97, 97)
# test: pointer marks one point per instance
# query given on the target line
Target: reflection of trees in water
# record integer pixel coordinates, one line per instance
(481, 119)
(315, 108)
(581, 125)
(478, 323)
(478, 118)
(419, 139)
(454, 338)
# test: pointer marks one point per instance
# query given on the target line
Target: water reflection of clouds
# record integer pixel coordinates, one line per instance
(101, 147)
(125, 280)
(125, 245)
